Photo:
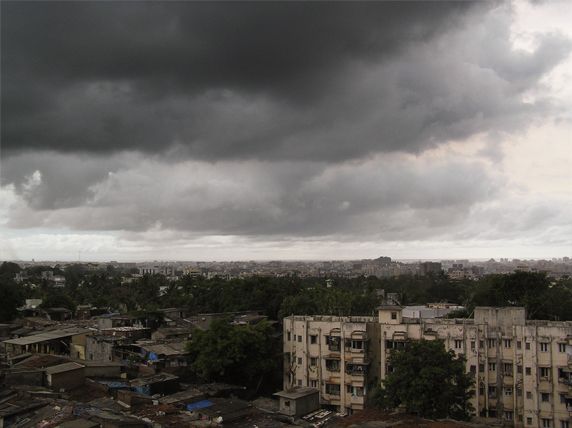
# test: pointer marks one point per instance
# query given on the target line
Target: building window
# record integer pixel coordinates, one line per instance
(473, 369)
(492, 367)
(287, 403)
(393, 344)
(562, 398)
(545, 397)
(544, 371)
(334, 343)
(491, 343)
(313, 361)
(528, 371)
(518, 344)
(492, 391)
(481, 390)
(472, 345)
(561, 347)
(299, 338)
(394, 315)
(528, 421)
(299, 382)
(528, 395)
(564, 424)
(543, 347)
(332, 389)
(508, 392)
(358, 344)
(507, 369)
(299, 361)
(508, 415)
(527, 345)
(481, 344)
(481, 367)
(519, 369)
(518, 391)
(288, 335)
(333, 365)
(313, 339)
(314, 383)
(458, 344)
(546, 423)
(507, 343)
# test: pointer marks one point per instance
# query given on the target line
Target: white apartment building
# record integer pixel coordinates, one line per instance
(522, 368)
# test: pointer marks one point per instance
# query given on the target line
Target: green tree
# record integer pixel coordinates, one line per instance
(11, 297)
(58, 299)
(9, 270)
(428, 381)
(243, 354)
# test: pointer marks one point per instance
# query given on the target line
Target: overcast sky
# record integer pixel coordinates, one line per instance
(268, 130)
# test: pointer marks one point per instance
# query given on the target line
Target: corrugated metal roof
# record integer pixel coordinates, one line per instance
(46, 336)
(61, 368)
(161, 349)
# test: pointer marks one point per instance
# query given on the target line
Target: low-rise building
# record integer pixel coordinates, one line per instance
(58, 342)
(298, 401)
(66, 376)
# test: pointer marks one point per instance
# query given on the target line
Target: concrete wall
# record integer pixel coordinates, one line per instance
(97, 349)
(302, 406)
(103, 371)
(78, 346)
(66, 380)
(500, 317)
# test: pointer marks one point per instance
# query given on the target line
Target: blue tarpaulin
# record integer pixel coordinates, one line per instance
(199, 405)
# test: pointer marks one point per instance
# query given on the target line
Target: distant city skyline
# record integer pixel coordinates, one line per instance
(139, 131)
(402, 260)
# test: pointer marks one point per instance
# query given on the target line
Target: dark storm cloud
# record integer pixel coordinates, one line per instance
(105, 76)
(260, 119)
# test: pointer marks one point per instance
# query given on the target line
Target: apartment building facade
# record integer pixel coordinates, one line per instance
(522, 368)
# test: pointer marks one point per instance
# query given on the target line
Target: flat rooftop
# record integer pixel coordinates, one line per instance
(65, 367)
(297, 392)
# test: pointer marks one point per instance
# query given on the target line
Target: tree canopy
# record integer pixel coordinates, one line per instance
(116, 289)
(241, 354)
(428, 381)
(11, 297)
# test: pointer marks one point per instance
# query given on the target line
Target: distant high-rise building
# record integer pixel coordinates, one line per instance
(430, 268)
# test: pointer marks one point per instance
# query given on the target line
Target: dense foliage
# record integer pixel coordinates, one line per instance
(427, 380)
(114, 289)
(11, 295)
(241, 354)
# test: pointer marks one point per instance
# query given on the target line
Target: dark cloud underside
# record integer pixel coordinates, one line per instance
(106, 76)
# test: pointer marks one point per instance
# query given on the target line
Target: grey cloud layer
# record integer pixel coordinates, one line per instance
(320, 81)
(380, 196)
